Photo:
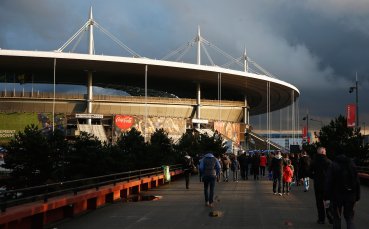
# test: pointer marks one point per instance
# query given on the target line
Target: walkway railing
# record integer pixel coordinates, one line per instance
(113, 98)
(266, 141)
(11, 198)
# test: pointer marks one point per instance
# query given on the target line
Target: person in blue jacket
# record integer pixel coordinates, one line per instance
(210, 170)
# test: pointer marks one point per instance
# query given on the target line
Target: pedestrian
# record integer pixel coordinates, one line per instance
(263, 163)
(342, 187)
(269, 161)
(295, 163)
(241, 160)
(287, 178)
(226, 164)
(245, 164)
(235, 166)
(255, 164)
(277, 171)
(319, 168)
(188, 166)
(198, 166)
(210, 169)
(304, 170)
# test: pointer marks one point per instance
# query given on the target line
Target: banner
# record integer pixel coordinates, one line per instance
(351, 115)
(305, 134)
(229, 129)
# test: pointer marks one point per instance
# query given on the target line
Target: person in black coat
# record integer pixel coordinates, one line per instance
(319, 168)
(343, 189)
(241, 158)
(277, 170)
(304, 170)
(255, 164)
(295, 163)
(188, 165)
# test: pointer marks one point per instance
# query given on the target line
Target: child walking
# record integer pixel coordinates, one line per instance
(287, 177)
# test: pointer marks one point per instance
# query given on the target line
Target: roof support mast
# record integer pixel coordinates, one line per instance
(198, 40)
(246, 63)
(89, 74)
(198, 91)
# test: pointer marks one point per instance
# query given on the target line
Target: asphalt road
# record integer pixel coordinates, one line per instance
(243, 204)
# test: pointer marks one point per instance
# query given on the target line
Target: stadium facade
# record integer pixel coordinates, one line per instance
(171, 95)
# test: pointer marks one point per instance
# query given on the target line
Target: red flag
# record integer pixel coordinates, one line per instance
(351, 115)
(304, 132)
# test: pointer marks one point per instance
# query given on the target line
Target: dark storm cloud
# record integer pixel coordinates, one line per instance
(315, 45)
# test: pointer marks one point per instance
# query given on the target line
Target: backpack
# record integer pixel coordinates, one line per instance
(209, 166)
(234, 165)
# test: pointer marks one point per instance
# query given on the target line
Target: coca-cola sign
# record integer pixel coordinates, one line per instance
(124, 121)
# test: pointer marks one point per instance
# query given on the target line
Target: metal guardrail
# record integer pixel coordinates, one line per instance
(15, 197)
(113, 98)
(266, 141)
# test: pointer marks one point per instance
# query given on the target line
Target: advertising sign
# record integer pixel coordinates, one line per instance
(93, 116)
(305, 135)
(351, 115)
(124, 122)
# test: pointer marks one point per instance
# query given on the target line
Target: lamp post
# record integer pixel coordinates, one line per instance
(356, 88)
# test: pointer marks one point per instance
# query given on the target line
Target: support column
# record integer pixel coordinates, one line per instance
(91, 49)
(246, 63)
(89, 95)
(198, 103)
(198, 39)
(246, 122)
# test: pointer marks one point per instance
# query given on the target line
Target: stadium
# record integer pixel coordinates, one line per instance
(172, 95)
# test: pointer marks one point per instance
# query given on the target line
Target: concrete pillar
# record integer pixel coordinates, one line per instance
(198, 103)
(89, 95)
(246, 117)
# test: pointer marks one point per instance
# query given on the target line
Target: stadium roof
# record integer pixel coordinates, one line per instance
(176, 78)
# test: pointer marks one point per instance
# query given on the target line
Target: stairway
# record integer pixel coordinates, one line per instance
(96, 130)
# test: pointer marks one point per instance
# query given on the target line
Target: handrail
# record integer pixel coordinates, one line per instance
(279, 147)
(44, 192)
(113, 98)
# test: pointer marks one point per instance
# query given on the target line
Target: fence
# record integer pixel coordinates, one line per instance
(15, 197)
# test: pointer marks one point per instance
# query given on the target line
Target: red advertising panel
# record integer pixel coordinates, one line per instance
(305, 134)
(124, 122)
(351, 115)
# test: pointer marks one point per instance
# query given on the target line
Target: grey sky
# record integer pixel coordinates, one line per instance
(315, 45)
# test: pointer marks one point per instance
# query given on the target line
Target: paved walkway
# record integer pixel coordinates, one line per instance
(246, 204)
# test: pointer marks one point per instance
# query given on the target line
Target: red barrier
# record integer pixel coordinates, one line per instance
(37, 214)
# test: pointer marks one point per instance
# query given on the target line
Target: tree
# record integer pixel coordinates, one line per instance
(188, 143)
(338, 138)
(160, 150)
(132, 147)
(86, 158)
(199, 144)
(33, 157)
(212, 143)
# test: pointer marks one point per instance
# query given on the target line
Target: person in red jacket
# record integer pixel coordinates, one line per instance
(263, 162)
(287, 178)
